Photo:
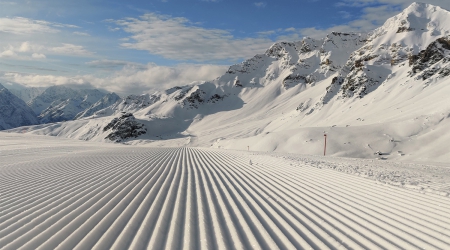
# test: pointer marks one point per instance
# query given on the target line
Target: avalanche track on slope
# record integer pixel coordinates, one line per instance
(82, 196)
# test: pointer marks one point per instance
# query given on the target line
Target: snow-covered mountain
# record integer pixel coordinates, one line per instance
(394, 45)
(24, 92)
(51, 94)
(386, 91)
(14, 112)
(107, 101)
(61, 103)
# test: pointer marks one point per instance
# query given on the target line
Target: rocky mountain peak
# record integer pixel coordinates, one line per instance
(425, 19)
(402, 41)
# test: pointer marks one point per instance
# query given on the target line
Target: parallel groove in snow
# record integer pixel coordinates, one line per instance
(174, 198)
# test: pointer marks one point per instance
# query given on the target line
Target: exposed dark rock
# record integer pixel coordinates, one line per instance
(292, 80)
(438, 51)
(357, 84)
(124, 127)
(359, 63)
(237, 83)
(195, 98)
(215, 98)
(404, 29)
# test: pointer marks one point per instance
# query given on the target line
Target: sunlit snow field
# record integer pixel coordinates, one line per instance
(64, 194)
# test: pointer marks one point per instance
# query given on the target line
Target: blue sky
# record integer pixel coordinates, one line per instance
(136, 45)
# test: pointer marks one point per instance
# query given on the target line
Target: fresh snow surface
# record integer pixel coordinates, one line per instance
(68, 194)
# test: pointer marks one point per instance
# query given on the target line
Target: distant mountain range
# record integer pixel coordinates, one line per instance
(384, 91)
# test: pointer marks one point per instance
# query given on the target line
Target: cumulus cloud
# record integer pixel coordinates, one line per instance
(177, 38)
(8, 54)
(129, 80)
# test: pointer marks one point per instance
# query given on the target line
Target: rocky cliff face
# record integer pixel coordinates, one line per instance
(434, 61)
(304, 62)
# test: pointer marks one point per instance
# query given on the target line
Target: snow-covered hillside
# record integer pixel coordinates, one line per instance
(14, 112)
(384, 92)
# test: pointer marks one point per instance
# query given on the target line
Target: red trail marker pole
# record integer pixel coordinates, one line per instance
(325, 146)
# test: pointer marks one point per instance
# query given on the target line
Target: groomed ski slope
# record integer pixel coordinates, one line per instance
(63, 194)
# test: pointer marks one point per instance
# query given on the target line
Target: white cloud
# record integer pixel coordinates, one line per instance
(38, 56)
(25, 47)
(130, 79)
(20, 25)
(28, 50)
(260, 4)
(292, 29)
(8, 54)
(113, 29)
(177, 38)
(72, 50)
(42, 80)
(137, 80)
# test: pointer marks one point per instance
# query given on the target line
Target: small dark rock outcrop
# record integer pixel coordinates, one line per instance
(124, 127)
(194, 99)
(404, 29)
(216, 97)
